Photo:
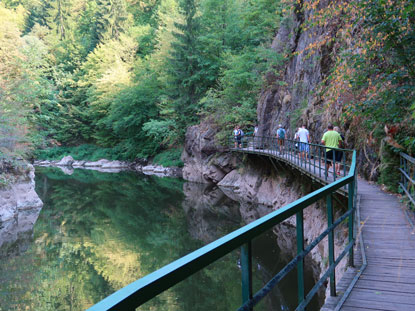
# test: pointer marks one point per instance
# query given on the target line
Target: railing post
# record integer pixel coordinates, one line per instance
(246, 267)
(405, 169)
(319, 162)
(344, 163)
(351, 219)
(331, 244)
(300, 264)
(326, 171)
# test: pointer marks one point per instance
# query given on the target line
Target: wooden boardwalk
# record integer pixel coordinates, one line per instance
(388, 282)
(384, 273)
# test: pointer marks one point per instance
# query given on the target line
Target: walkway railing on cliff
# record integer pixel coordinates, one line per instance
(144, 289)
(407, 183)
(308, 157)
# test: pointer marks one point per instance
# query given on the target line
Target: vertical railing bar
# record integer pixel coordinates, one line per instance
(351, 203)
(300, 264)
(331, 244)
(319, 162)
(405, 164)
(246, 267)
(344, 163)
(334, 164)
(291, 157)
(326, 173)
(300, 148)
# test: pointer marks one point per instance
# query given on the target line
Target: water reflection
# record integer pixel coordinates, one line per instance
(98, 232)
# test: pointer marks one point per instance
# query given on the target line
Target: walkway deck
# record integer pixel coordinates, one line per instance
(388, 281)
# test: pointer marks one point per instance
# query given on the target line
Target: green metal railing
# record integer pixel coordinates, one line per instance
(142, 290)
(311, 158)
(407, 184)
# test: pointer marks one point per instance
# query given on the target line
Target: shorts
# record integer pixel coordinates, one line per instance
(338, 155)
(329, 155)
(304, 147)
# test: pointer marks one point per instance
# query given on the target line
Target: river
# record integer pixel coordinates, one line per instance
(98, 232)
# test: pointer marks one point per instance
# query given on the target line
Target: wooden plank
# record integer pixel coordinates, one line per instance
(376, 305)
(386, 285)
(382, 296)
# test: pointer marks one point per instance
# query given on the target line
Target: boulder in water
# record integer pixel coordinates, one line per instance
(66, 161)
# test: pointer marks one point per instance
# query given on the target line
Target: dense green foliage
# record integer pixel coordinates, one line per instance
(133, 75)
(386, 69)
(81, 152)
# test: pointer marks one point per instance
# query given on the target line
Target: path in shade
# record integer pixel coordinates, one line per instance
(388, 282)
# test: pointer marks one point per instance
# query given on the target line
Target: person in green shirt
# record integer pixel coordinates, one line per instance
(331, 139)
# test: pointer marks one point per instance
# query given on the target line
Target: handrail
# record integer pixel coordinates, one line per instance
(144, 289)
(407, 183)
(313, 160)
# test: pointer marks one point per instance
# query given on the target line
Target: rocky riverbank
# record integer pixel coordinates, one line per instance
(68, 164)
(19, 206)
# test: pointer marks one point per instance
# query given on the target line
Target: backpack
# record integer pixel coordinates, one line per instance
(242, 133)
(281, 133)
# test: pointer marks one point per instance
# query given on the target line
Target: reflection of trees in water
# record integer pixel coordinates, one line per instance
(213, 213)
(99, 232)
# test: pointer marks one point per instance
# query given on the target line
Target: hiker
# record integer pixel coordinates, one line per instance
(280, 138)
(304, 138)
(338, 153)
(331, 139)
(255, 130)
(238, 134)
(235, 134)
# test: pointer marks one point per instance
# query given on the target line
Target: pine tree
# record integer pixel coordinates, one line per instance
(111, 17)
(61, 17)
(39, 13)
(184, 61)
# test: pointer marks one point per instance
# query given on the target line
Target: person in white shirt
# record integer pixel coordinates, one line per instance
(304, 138)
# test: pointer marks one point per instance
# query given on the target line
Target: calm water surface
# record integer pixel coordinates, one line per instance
(98, 232)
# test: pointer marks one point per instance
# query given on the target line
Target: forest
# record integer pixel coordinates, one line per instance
(123, 79)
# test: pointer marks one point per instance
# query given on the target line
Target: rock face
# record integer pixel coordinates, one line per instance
(19, 209)
(302, 76)
(202, 161)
